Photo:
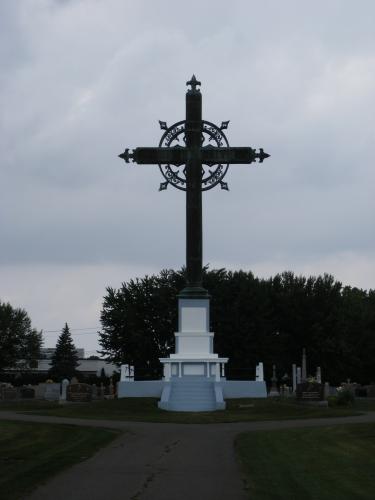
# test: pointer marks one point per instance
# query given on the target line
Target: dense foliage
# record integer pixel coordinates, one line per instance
(254, 320)
(65, 359)
(19, 343)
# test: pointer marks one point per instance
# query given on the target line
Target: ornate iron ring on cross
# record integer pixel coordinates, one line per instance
(175, 174)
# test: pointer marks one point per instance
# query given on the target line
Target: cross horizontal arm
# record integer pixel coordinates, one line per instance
(208, 155)
(151, 156)
(212, 155)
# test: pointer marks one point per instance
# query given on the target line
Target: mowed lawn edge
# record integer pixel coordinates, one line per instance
(32, 453)
(311, 463)
(146, 410)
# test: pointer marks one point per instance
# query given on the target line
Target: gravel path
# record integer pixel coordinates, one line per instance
(162, 461)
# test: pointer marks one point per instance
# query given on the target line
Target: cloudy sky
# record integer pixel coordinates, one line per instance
(81, 80)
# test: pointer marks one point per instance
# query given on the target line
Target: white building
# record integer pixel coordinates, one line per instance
(86, 366)
(48, 352)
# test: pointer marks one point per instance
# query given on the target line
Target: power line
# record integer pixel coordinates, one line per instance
(72, 329)
(74, 334)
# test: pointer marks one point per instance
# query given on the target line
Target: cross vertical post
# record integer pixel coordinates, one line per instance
(193, 136)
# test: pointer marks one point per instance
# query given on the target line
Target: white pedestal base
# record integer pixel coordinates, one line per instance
(193, 373)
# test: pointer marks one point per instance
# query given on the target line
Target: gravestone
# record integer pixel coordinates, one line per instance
(2, 387)
(326, 390)
(101, 391)
(52, 392)
(94, 391)
(274, 390)
(259, 372)
(27, 392)
(310, 391)
(127, 373)
(294, 377)
(298, 375)
(64, 387)
(304, 366)
(9, 393)
(109, 391)
(40, 390)
(79, 393)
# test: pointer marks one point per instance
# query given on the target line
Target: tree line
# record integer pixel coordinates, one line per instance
(20, 345)
(269, 320)
(254, 319)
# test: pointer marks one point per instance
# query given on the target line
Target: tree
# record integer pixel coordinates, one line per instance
(65, 359)
(20, 344)
(139, 320)
(269, 320)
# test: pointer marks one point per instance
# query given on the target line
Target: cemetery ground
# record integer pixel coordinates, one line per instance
(317, 464)
(309, 457)
(146, 410)
(32, 452)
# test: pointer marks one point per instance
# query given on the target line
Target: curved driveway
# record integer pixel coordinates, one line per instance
(153, 461)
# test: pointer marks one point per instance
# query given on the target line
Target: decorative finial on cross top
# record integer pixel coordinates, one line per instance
(193, 82)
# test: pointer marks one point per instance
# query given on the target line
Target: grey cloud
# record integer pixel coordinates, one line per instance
(83, 80)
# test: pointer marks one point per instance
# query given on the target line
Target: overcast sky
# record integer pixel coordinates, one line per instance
(81, 80)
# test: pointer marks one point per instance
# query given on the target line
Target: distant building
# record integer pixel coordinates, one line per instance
(86, 366)
(48, 352)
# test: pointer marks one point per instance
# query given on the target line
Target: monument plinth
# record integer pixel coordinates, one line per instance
(194, 156)
(194, 351)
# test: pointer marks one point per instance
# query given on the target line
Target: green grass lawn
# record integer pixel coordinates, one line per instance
(146, 410)
(328, 463)
(31, 453)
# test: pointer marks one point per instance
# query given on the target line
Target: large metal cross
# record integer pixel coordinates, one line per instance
(196, 166)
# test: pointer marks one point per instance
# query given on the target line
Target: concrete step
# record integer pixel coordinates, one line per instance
(192, 394)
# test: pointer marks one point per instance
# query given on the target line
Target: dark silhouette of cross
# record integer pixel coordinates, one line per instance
(193, 155)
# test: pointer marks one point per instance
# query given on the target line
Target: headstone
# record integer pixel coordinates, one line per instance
(294, 377)
(285, 390)
(9, 393)
(326, 390)
(52, 392)
(40, 390)
(304, 369)
(101, 391)
(94, 391)
(79, 393)
(64, 388)
(310, 391)
(274, 390)
(127, 373)
(27, 392)
(111, 388)
(318, 375)
(259, 373)
(299, 375)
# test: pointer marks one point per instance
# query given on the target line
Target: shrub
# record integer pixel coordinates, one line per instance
(345, 397)
(332, 401)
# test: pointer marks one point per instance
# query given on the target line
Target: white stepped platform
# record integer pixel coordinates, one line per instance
(191, 394)
(192, 374)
